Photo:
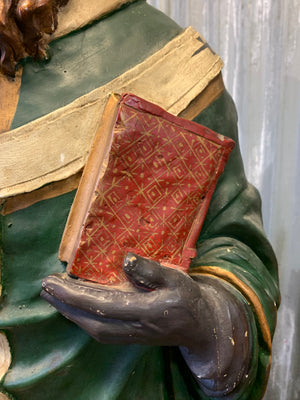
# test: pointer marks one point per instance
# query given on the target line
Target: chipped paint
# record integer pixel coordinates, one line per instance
(232, 341)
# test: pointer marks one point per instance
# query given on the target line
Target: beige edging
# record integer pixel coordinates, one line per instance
(214, 90)
(79, 13)
(21, 201)
(56, 146)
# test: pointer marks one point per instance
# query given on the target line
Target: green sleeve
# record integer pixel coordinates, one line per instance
(233, 241)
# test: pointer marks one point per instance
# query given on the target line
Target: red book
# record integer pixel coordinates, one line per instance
(145, 189)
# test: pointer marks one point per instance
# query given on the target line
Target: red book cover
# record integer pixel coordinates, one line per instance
(147, 192)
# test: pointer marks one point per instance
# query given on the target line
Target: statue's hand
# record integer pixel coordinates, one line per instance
(167, 309)
(205, 316)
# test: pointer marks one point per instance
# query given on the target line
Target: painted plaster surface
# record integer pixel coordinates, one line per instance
(259, 44)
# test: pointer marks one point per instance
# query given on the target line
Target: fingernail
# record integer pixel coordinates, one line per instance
(130, 261)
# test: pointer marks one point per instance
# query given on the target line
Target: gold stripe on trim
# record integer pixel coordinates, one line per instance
(9, 97)
(5, 355)
(21, 201)
(247, 293)
(204, 99)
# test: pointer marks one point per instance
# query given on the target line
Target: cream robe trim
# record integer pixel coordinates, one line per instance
(56, 146)
(79, 13)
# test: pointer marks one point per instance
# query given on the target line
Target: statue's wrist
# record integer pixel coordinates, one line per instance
(224, 365)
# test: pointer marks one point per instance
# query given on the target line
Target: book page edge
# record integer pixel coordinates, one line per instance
(84, 196)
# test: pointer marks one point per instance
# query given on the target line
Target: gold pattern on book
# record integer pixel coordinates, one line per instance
(156, 180)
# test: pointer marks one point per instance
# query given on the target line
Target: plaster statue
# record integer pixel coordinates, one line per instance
(204, 335)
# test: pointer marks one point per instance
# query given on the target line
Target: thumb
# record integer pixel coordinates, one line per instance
(150, 274)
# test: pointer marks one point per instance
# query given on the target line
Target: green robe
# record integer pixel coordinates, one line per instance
(52, 357)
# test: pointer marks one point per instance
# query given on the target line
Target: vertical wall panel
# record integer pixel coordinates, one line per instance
(259, 42)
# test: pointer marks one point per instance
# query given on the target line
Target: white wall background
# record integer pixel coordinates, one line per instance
(259, 42)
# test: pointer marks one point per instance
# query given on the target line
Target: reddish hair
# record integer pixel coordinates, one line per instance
(24, 29)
